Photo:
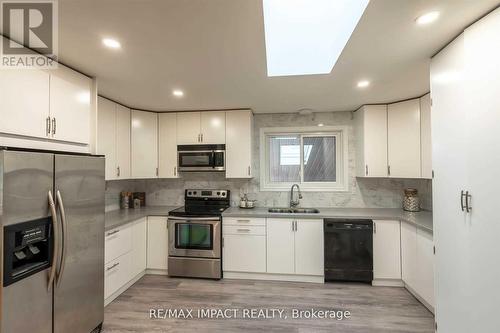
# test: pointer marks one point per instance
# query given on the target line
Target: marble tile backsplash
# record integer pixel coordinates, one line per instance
(363, 192)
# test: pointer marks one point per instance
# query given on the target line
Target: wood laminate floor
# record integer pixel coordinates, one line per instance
(373, 309)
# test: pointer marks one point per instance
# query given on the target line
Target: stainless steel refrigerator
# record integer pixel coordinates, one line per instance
(52, 225)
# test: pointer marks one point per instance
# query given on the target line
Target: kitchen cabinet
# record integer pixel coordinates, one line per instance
(188, 128)
(403, 139)
(117, 242)
(24, 102)
(157, 250)
(295, 246)
(280, 246)
(70, 105)
(116, 274)
(425, 266)
(106, 135)
(139, 244)
(425, 136)
(167, 145)
(113, 138)
(244, 238)
(122, 142)
(371, 141)
(409, 254)
(201, 127)
(144, 144)
(386, 250)
(213, 127)
(309, 249)
(239, 144)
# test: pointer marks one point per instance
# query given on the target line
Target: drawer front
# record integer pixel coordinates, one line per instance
(242, 221)
(117, 242)
(257, 230)
(116, 274)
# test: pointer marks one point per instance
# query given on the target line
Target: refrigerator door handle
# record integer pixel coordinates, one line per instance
(55, 236)
(64, 238)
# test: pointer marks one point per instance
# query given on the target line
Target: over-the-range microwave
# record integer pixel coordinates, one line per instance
(201, 157)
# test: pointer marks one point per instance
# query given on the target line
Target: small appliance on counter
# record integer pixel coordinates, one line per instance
(411, 201)
(246, 203)
(195, 234)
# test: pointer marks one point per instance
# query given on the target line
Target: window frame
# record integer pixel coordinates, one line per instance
(341, 155)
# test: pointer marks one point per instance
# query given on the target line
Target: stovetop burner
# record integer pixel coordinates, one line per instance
(203, 203)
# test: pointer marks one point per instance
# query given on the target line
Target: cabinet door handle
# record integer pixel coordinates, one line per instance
(468, 207)
(112, 266)
(201, 137)
(47, 126)
(157, 172)
(374, 227)
(175, 171)
(249, 173)
(118, 171)
(388, 170)
(296, 226)
(366, 169)
(243, 221)
(462, 195)
(243, 230)
(54, 123)
(112, 233)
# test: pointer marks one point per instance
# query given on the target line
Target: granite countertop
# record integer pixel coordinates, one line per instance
(116, 218)
(421, 219)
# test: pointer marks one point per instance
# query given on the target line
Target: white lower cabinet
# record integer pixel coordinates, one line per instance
(124, 256)
(139, 243)
(157, 245)
(417, 255)
(295, 246)
(386, 250)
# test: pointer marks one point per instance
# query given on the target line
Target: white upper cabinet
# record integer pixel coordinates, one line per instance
(386, 250)
(70, 105)
(403, 133)
(188, 128)
(106, 135)
(425, 136)
(122, 142)
(167, 145)
(144, 144)
(239, 144)
(24, 102)
(113, 138)
(201, 127)
(213, 127)
(371, 141)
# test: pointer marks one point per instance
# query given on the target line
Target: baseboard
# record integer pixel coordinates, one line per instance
(419, 298)
(387, 283)
(157, 271)
(273, 277)
(123, 288)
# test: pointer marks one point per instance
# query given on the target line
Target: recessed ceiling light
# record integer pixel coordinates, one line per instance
(321, 125)
(178, 93)
(111, 43)
(427, 18)
(363, 84)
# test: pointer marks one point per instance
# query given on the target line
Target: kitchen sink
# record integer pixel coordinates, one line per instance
(293, 210)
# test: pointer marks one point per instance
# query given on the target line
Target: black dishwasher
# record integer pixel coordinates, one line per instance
(348, 250)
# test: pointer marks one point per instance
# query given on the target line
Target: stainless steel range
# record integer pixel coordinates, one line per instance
(195, 234)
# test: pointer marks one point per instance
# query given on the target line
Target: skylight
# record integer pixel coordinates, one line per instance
(307, 36)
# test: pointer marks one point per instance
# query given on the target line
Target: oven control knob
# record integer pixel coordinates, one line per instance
(194, 192)
(218, 193)
(189, 193)
(223, 194)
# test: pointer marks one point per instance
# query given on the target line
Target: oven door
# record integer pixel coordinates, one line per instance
(196, 237)
(195, 160)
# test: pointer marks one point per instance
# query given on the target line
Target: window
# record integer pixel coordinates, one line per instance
(313, 159)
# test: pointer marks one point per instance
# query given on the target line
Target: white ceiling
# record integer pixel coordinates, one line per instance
(214, 50)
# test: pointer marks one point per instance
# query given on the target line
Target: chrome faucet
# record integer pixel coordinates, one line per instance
(295, 203)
